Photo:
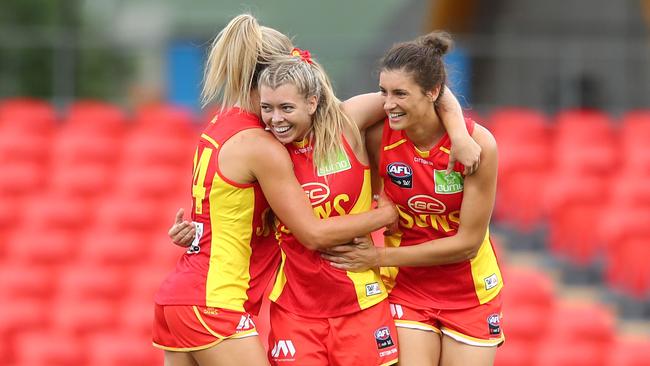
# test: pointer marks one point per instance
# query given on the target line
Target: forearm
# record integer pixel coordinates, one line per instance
(342, 229)
(453, 249)
(451, 115)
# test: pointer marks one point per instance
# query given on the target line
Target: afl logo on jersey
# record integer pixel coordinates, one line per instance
(400, 174)
(424, 204)
(316, 192)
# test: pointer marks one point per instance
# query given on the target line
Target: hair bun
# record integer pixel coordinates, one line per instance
(440, 41)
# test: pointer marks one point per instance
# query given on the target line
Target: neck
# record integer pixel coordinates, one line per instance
(427, 132)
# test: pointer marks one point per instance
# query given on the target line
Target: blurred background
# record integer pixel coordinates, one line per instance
(99, 117)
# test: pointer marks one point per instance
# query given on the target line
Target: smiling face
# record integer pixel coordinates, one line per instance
(286, 112)
(404, 101)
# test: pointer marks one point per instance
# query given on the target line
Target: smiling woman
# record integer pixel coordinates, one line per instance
(439, 264)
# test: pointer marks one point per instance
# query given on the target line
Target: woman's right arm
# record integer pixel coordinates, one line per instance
(270, 164)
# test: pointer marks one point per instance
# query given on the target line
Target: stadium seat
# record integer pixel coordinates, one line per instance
(630, 352)
(20, 179)
(153, 182)
(84, 318)
(51, 347)
(112, 247)
(46, 247)
(17, 283)
(576, 207)
(527, 288)
(521, 199)
(96, 118)
(89, 281)
(522, 125)
(144, 150)
(123, 349)
(30, 149)
(86, 181)
(78, 149)
(52, 211)
(27, 117)
(562, 354)
(515, 353)
(165, 120)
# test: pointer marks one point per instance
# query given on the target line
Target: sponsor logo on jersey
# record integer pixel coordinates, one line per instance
(424, 204)
(373, 289)
(245, 323)
(194, 248)
(447, 183)
(340, 163)
(396, 311)
(491, 281)
(383, 338)
(316, 192)
(494, 323)
(401, 174)
(419, 160)
(283, 350)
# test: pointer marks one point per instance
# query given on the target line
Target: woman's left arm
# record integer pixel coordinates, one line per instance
(476, 210)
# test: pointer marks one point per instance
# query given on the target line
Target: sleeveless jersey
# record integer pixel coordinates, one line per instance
(306, 284)
(429, 204)
(234, 255)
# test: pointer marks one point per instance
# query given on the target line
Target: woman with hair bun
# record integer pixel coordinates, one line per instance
(438, 263)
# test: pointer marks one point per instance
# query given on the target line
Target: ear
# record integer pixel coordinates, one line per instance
(433, 94)
(312, 104)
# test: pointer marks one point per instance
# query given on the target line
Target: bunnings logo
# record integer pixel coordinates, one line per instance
(447, 183)
(339, 163)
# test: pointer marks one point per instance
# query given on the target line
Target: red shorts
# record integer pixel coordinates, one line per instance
(186, 328)
(365, 338)
(477, 326)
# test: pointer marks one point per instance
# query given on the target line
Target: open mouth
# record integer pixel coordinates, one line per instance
(396, 115)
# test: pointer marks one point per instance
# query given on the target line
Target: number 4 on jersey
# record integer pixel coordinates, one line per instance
(199, 172)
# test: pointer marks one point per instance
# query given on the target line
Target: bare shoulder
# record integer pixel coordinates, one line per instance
(484, 138)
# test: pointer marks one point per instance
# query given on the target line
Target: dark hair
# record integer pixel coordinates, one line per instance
(422, 58)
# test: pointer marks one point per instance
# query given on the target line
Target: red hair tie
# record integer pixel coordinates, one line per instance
(303, 54)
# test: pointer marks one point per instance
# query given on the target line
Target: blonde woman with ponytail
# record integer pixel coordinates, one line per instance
(204, 308)
(439, 263)
(241, 173)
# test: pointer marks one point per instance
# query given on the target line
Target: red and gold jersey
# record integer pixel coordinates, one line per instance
(308, 285)
(429, 204)
(234, 254)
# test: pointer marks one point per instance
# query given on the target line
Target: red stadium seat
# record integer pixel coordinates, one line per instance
(46, 247)
(149, 150)
(630, 352)
(19, 282)
(27, 117)
(153, 182)
(51, 211)
(85, 282)
(521, 125)
(30, 149)
(84, 318)
(585, 141)
(129, 212)
(90, 117)
(528, 288)
(52, 348)
(167, 120)
(20, 179)
(515, 353)
(521, 199)
(561, 354)
(584, 322)
(78, 149)
(576, 207)
(123, 349)
(85, 181)
(138, 319)
(116, 248)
